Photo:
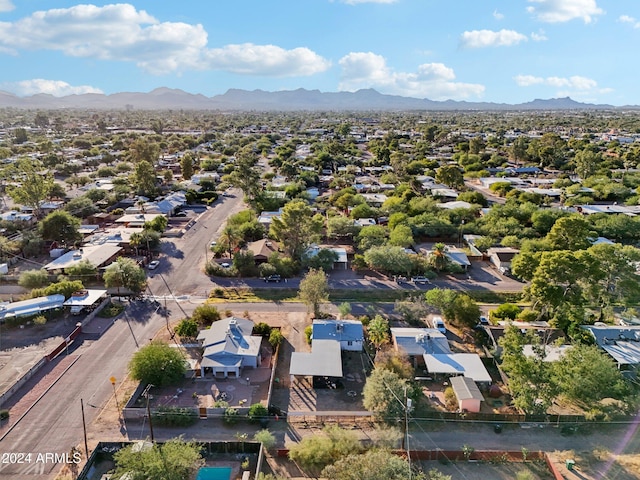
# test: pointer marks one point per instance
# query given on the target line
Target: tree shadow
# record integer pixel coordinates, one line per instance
(170, 249)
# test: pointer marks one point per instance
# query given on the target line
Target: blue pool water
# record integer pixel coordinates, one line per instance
(214, 473)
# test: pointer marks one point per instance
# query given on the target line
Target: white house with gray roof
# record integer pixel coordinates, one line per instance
(229, 346)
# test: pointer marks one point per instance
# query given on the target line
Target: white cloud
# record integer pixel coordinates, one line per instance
(57, 88)
(629, 19)
(250, 59)
(538, 37)
(120, 32)
(6, 6)
(557, 11)
(575, 86)
(431, 80)
(489, 38)
(497, 15)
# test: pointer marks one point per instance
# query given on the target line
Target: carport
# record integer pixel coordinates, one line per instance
(324, 361)
(467, 364)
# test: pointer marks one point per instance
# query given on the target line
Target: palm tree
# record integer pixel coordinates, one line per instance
(378, 331)
(231, 239)
(439, 256)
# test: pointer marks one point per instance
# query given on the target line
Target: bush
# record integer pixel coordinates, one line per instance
(527, 315)
(450, 399)
(266, 438)
(215, 270)
(159, 364)
(175, 417)
(275, 337)
(308, 331)
(34, 279)
(40, 320)
(64, 287)
(257, 412)
(187, 327)
(205, 315)
(262, 329)
(231, 416)
(4, 414)
(504, 311)
(111, 310)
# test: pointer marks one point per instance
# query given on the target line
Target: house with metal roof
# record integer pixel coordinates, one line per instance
(229, 346)
(621, 343)
(468, 394)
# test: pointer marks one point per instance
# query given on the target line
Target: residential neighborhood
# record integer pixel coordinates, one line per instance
(233, 278)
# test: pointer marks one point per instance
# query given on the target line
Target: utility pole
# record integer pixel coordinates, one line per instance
(146, 394)
(405, 437)
(84, 428)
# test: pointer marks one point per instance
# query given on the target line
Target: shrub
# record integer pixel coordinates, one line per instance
(450, 400)
(34, 279)
(40, 320)
(308, 331)
(175, 417)
(257, 412)
(262, 329)
(266, 438)
(187, 327)
(506, 310)
(231, 416)
(275, 337)
(111, 310)
(4, 414)
(205, 314)
(527, 315)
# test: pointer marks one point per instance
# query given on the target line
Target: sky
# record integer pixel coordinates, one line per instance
(505, 51)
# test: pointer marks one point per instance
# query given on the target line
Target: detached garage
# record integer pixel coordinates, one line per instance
(468, 394)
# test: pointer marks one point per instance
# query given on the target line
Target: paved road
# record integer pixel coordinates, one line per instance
(54, 424)
(183, 259)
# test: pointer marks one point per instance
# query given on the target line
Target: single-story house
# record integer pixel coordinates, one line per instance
(32, 306)
(468, 394)
(621, 343)
(416, 342)
(265, 218)
(85, 299)
(96, 255)
(374, 199)
(454, 204)
(14, 216)
(229, 346)
(138, 219)
(341, 253)
(349, 333)
(262, 249)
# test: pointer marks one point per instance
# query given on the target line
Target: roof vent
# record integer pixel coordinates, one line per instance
(233, 322)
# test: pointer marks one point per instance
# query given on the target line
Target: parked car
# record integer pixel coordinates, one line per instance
(273, 278)
(438, 324)
(153, 264)
(213, 244)
(181, 214)
(484, 321)
(225, 265)
(420, 280)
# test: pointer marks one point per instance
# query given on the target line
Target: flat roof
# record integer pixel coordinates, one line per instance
(468, 364)
(87, 298)
(325, 360)
(95, 254)
(418, 341)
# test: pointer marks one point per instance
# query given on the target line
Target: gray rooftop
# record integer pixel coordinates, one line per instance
(468, 364)
(324, 361)
(466, 389)
(418, 341)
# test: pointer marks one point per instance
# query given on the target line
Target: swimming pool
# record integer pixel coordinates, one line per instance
(214, 473)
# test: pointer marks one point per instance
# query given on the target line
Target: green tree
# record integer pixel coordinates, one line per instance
(266, 438)
(60, 226)
(186, 165)
(375, 464)
(187, 327)
(438, 256)
(586, 375)
(205, 314)
(318, 451)
(323, 259)
(174, 459)
(34, 278)
(297, 228)
(450, 175)
(530, 378)
(570, 233)
(443, 299)
(81, 207)
(401, 236)
(341, 227)
(142, 150)
(384, 394)
(34, 186)
(372, 236)
(245, 175)
(158, 364)
(144, 178)
(83, 270)
(314, 289)
(125, 273)
(378, 331)
(391, 260)
(158, 224)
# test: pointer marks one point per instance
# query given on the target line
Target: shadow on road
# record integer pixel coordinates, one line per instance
(170, 249)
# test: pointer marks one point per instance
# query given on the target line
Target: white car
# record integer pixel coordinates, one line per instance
(153, 265)
(438, 324)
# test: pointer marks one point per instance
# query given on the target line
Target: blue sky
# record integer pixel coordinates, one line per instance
(507, 51)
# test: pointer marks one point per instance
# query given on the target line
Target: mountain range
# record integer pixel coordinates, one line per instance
(286, 100)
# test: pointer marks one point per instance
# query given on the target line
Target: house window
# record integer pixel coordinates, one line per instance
(349, 343)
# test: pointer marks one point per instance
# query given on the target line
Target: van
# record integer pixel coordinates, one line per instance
(438, 324)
